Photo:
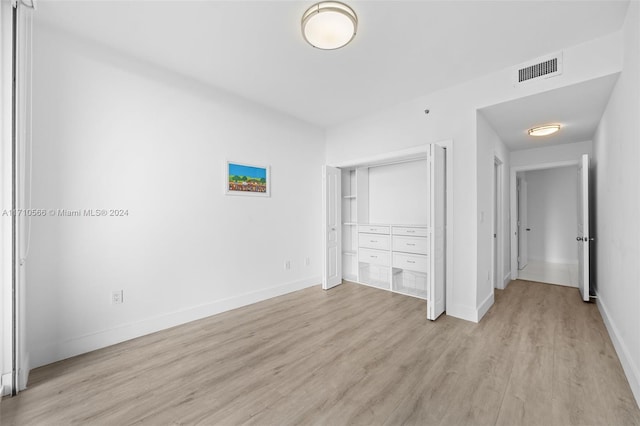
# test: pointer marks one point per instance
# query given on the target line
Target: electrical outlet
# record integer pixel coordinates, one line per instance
(117, 297)
(287, 264)
(307, 261)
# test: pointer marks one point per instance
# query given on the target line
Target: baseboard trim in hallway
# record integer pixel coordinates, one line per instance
(633, 375)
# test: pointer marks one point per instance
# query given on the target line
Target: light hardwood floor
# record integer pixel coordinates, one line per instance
(352, 355)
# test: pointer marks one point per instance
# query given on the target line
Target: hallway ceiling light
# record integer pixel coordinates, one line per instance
(544, 130)
(329, 25)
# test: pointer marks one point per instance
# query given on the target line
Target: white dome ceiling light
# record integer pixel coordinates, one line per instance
(544, 130)
(329, 25)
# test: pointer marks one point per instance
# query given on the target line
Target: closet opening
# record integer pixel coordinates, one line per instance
(385, 222)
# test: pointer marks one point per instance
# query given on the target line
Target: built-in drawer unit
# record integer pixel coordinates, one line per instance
(408, 230)
(375, 241)
(411, 262)
(375, 257)
(417, 245)
(374, 229)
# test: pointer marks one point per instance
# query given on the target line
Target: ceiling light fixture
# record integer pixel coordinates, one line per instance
(329, 25)
(544, 130)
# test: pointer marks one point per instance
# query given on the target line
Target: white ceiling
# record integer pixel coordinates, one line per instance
(577, 108)
(403, 49)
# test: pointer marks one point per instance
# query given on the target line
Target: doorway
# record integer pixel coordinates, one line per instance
(546, 216)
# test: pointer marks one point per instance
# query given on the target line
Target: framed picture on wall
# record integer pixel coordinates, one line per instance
(246, 179)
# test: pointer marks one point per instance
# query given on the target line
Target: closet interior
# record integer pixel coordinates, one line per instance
(392, 219)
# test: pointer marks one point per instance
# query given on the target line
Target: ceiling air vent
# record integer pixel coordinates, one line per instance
(545, 67)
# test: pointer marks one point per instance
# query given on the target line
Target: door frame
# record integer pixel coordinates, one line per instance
(513, 201)
(15, 86)
(7, 260)
(584, 259)
(410, 154)
(497, 245)
(522, 220)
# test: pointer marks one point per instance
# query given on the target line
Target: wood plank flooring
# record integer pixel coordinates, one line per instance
(352, 355)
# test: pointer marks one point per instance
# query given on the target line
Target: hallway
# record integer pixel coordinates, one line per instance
(565, 274)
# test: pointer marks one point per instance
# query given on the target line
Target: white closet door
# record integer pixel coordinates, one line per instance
(332, 211)
(437, 221)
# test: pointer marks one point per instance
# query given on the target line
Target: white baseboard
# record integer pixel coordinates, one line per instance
(23, 373)
(463, 312)
(506, 281)
(630, 369)
(470, 314)
(484, 306)
(90, 342)
(6, 383)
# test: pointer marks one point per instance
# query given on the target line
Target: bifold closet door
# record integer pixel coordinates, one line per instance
(332, 235)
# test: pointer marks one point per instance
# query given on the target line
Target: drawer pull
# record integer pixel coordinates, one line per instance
(411, 231)
(373, 257)
(411, 261)
(411, 244)
(373, 241)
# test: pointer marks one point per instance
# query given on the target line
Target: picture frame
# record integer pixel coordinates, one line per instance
(247, 179)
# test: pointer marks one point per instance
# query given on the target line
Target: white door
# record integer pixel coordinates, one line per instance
(523, 243)
(332, 232)
(437, 186)
(583, 227)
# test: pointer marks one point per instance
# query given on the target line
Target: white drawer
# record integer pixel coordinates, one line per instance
(374, 229)
(375, 241)
(411, 262)
(408, 230)
(375, 257)
(418, 245)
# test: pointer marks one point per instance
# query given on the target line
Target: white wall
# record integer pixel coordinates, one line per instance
(113, 132)
(453, 117)
(617, 233)
(552, 213)
(398, 193)
(492, 147)
(550, 154)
